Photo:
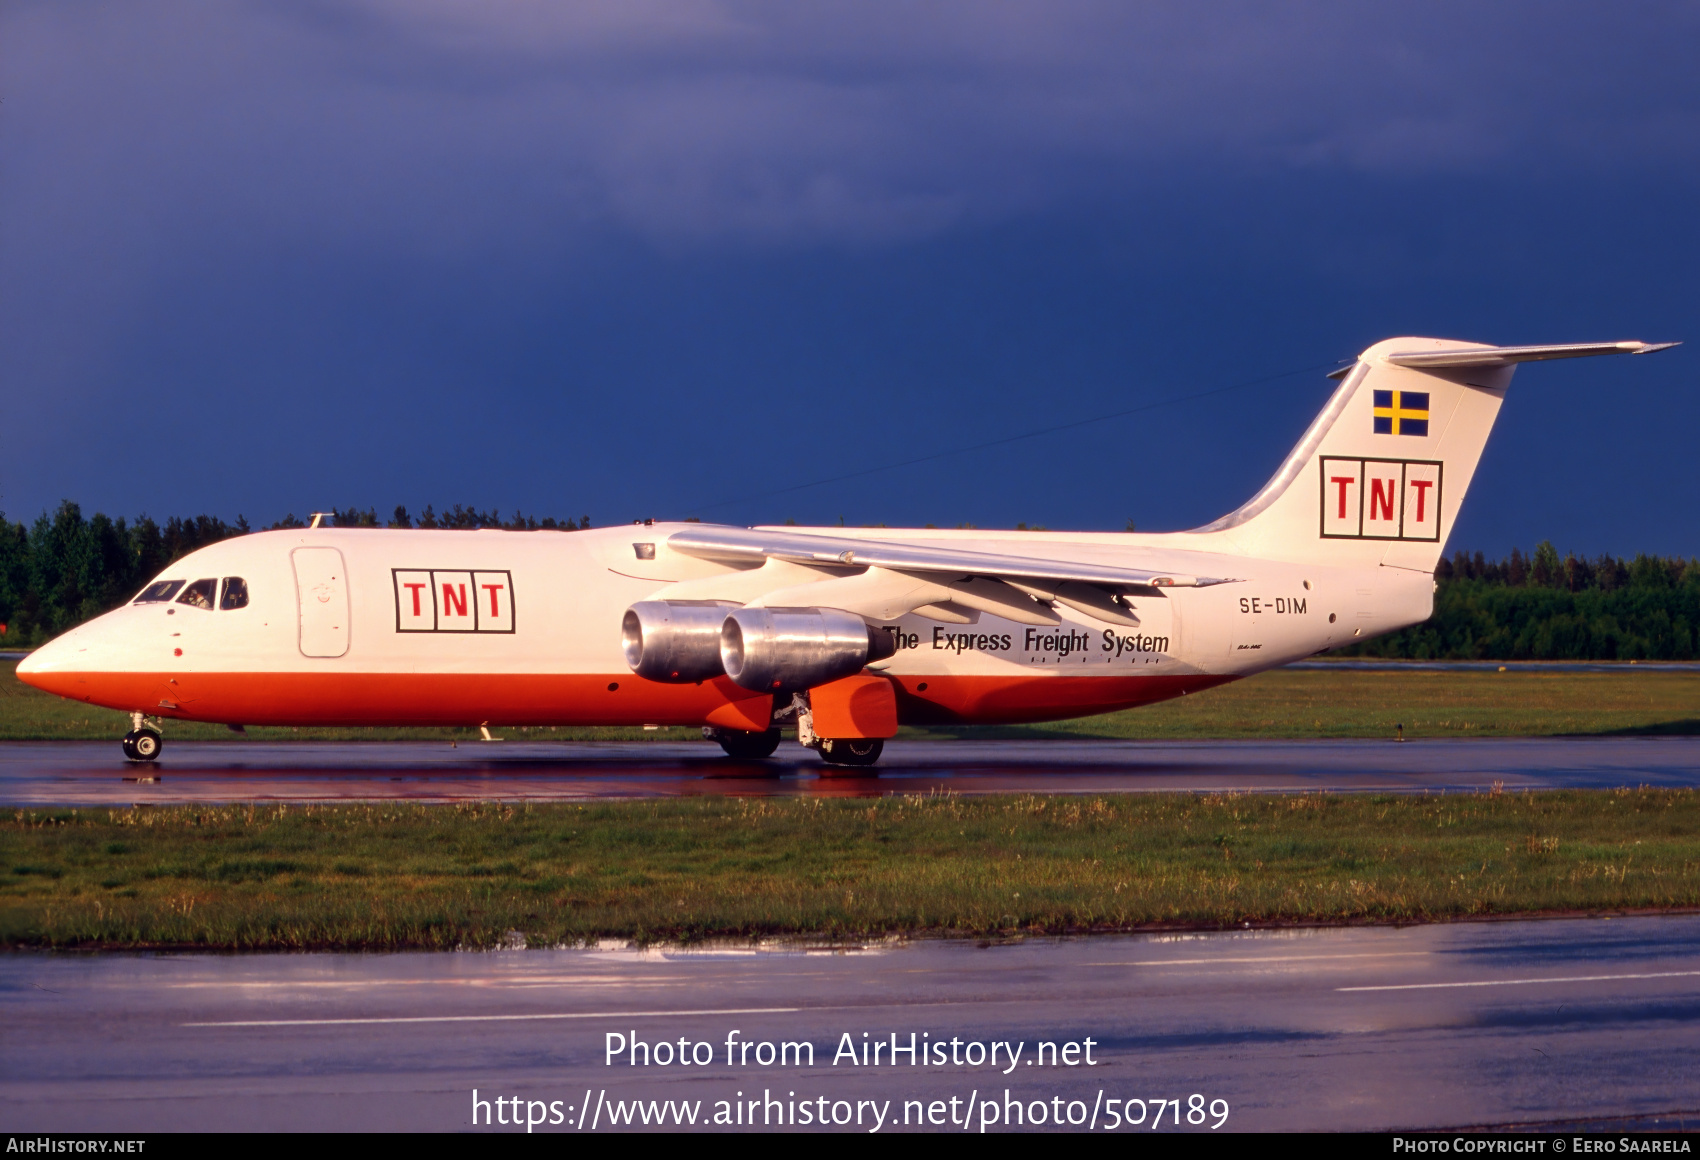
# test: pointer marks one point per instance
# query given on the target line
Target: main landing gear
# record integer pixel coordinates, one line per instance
(143, 742)
(851, 750)
(741, 745)
(854, 752)
(858, 752)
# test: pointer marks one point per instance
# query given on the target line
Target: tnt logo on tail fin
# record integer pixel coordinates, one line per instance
(1390, 457)
(1381, 499)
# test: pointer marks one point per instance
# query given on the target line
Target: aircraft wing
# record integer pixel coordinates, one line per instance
(753, 544)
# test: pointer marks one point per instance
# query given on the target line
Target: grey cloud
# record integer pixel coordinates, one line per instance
(445, 124)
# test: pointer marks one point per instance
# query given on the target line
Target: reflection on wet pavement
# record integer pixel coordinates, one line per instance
(90, 773)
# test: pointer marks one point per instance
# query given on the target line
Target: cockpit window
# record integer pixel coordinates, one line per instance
(159, 591)
(199, 594)
(235, 593)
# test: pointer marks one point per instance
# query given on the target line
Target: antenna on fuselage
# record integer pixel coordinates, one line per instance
(317, 516)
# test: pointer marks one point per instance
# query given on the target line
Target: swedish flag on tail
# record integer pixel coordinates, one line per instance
(1401, 412)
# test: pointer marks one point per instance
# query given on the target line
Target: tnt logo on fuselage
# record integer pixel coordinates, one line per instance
(1380, 499)
(432, 601)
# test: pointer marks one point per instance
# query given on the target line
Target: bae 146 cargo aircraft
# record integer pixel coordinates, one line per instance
(843, 633)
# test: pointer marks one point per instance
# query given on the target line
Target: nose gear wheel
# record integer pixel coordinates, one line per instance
(143, 744)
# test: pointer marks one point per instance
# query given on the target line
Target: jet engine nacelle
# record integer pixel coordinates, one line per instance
(677, 641)
(785, 650)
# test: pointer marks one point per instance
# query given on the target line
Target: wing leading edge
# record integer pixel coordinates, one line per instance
(749, 545)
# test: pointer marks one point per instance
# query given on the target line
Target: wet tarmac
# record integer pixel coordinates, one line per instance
(1477, 1024)
(94, 773)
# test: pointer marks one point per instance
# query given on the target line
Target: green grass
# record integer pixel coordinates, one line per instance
(1276, 704)
(1431, 703)
(385, 876)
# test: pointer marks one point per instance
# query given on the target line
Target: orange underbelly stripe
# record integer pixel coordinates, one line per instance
(576, 698)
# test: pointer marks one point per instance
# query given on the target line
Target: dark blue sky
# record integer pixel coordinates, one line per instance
(678, 259)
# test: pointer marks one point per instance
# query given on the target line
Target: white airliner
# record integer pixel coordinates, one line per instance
(845, 633)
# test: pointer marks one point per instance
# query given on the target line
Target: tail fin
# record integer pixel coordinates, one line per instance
(1380, 475)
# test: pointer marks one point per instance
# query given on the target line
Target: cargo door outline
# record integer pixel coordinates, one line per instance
(321, 591)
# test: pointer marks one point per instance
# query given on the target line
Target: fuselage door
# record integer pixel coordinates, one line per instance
(321, 583)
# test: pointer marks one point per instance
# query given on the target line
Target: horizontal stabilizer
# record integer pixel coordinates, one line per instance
(753, 544)
(1499, 356)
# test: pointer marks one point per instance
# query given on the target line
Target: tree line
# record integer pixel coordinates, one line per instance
(66, 568)
(457, 518)
(1547, 607)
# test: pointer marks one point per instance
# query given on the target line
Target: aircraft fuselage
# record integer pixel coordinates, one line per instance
(523, 628)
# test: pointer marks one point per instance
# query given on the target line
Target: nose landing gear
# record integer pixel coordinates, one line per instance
(143, 742)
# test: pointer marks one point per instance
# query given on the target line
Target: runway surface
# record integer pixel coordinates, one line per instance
(1573, 1021)
(94, 773)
